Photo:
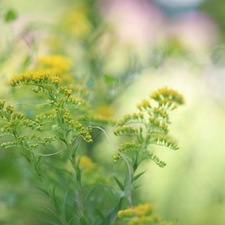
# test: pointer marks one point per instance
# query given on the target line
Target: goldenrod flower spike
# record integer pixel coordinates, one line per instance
(149, 126)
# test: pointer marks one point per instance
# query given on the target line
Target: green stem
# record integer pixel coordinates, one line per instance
(80, 195)
(129, 169)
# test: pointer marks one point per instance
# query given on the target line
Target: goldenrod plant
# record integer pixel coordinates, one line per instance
(53, 129)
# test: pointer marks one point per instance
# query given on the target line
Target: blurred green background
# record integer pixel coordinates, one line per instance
(145, 45)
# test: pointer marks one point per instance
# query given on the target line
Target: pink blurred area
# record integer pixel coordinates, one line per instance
(143, 23)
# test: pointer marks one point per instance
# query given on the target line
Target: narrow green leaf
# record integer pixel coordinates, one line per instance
(83, 220)
(105, 222)
(78, 172)
(26, 62)
(88, 195)
(72, 220)
(96, 221)
(55, 201)
(62, 139)
(49, 210)
(41, 189)
(119, 206)
(63, 205)
(119, 183)
(138, 175)
(126, 179)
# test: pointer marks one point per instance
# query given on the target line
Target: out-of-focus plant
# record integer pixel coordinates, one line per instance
(6, 17)
(49, 128)
(56, 127)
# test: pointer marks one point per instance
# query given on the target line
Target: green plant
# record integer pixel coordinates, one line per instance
(52, 129)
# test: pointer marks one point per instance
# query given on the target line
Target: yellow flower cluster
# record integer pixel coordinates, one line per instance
(35, 77)
(159, 162)
(160, 139)
(141, 215)
(129, 118)
(105, 110)
(144, 105)
(87, 165)
(66, 114)
(158, 126)
(127, 130)
(76, 102)
(83, 132)
(160, 112)
(167, 97)
(140, 210)
(126, 147)
(56, 62)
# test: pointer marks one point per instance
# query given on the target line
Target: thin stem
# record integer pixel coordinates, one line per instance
(129, 169)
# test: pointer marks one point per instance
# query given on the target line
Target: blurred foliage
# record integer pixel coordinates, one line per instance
(110, 70)
(215, 9)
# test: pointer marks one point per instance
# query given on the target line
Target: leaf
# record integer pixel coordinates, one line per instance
(115, 210)
(63, 204)
(119, 206)
(41, 189)
(10, 15)
(119, 183)
(88, 195)
(102, 216)
(138, 175)
(72, 220)
(83, 220)
(55, 201)
(49, 210)
(26, 62)
(111, 214)
(109, 79)
(95, 221)
(127, 179)
(78, 172)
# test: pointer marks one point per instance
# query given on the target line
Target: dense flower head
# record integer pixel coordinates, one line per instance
(144, 105)
(169, 97)
(35, 77)
(56, 62)
(141, 215)
(140, 210)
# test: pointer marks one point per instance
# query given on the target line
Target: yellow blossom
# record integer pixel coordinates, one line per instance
(34, 77)
(76, 21)
(140, 210)
(146, 220)
(57, 62)
(87, 165)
